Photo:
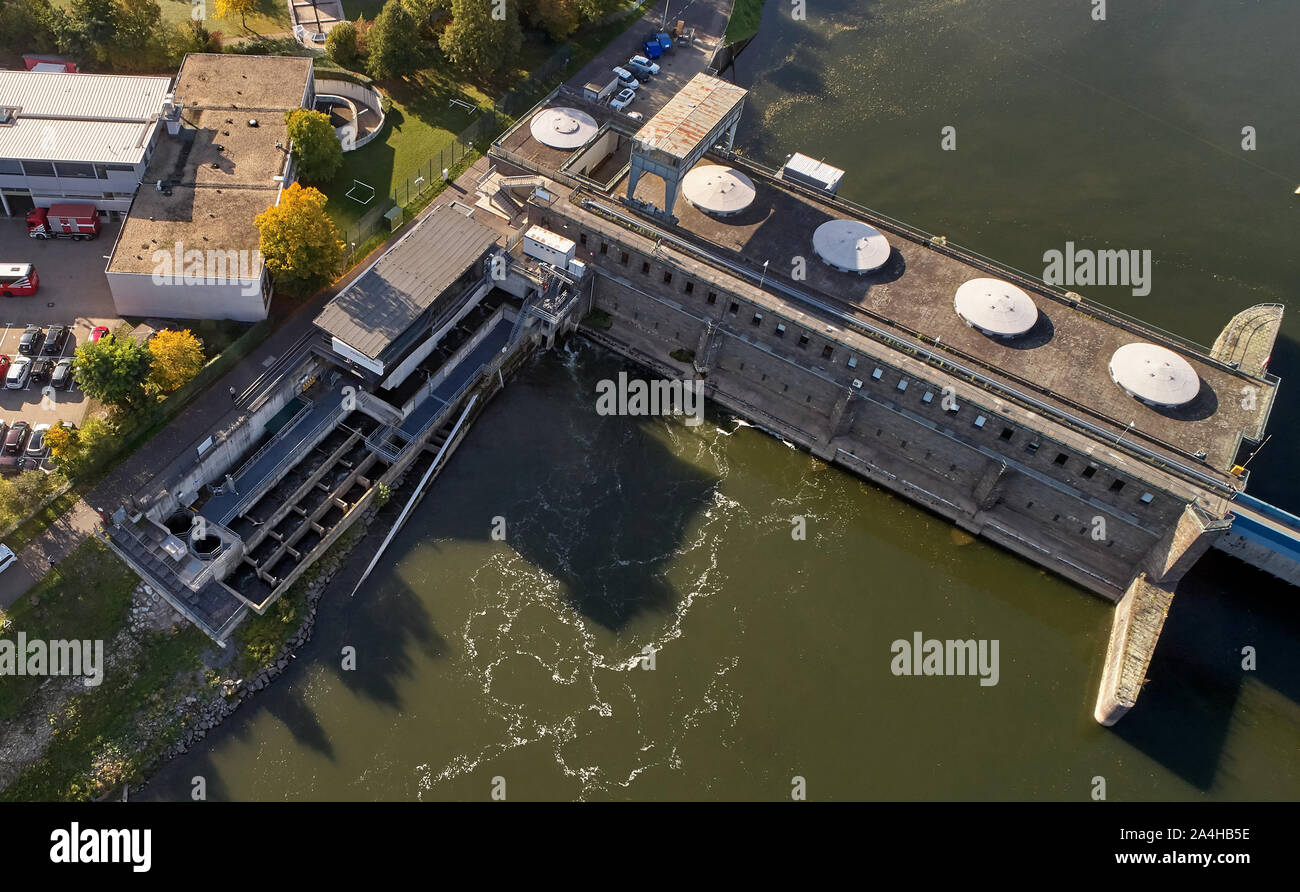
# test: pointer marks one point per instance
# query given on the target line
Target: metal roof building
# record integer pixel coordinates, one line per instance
(61, 116)
(692, 122)
(69, 136)
(374, 319)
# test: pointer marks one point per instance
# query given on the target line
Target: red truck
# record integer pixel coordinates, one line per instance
(76, 221)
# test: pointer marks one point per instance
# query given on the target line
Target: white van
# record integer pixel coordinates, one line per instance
(7, 557)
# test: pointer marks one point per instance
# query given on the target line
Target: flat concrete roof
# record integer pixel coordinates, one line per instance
(233, 81)
(220, 171)
(380, 305)
(691, 115)
(1064, 357)
(519, 139)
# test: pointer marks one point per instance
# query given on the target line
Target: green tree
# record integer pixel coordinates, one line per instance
(558, 18)
(96, 25)
(299, 241)
(341, 43)
(478, 44)
(113, 370)
(428, 14)
(30, 25)
(393, 44)
(76, 449)
(315, 146)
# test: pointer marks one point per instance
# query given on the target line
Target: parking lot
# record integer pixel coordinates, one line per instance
(73, 292)
(677, 66)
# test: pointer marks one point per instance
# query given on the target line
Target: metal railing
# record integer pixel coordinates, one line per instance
(280, 434)
(960, 252)
(293, 456)
(944, 362)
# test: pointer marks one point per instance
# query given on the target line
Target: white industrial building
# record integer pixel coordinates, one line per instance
(69, 137)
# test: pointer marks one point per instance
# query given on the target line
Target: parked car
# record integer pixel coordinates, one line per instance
(7, 557)
(16, 439)
(636, 116)
(36, 450)
(4, 363)
(61, 379)
(42, 369)
(31, 340)
(20, 371)
(625, 79)
(645, 63)
(622, 100)
(98, 332)
(640, 71)
(55, 335)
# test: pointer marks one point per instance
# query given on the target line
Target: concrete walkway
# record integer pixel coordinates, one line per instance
(65, 534)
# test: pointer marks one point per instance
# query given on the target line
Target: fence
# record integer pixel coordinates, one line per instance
(427, 178)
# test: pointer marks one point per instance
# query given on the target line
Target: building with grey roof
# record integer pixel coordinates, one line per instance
(83, 138)
(390, 317)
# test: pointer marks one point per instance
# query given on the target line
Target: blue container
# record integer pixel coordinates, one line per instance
(653, 49)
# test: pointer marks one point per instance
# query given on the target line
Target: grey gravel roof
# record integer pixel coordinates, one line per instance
(379, 306)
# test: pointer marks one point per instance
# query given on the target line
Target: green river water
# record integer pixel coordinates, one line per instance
(521, 659)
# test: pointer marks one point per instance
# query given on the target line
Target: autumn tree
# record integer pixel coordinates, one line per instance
(76, 449)
(299, 241)
(177, 357)
(478, 43)
(393, 44)
(226, 8)
(113, 370)
(315, 146)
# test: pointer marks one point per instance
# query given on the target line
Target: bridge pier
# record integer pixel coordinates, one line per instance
(1140, 614)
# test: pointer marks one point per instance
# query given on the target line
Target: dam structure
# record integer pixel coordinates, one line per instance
(1085, 441)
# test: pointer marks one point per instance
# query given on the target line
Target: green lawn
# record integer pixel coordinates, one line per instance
(743, 24)
(270, 17)
(422, 123)
(87, 596)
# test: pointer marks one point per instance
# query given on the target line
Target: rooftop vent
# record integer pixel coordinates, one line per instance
(1155, 375)
(718, 190)
(562, 128)
(995, 307)
(851, 246)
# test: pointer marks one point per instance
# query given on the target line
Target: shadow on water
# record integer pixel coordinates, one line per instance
(608, 538)
(1184, 713)
(1272, 473)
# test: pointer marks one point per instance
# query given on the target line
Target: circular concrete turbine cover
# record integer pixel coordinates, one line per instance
(719, 190)
(851, 246)
(1155, 375)
(995, 307)
(563, 128)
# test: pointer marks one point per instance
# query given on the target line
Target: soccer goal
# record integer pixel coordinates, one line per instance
(361, 193)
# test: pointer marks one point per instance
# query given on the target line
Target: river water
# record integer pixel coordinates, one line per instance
(519, 664)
